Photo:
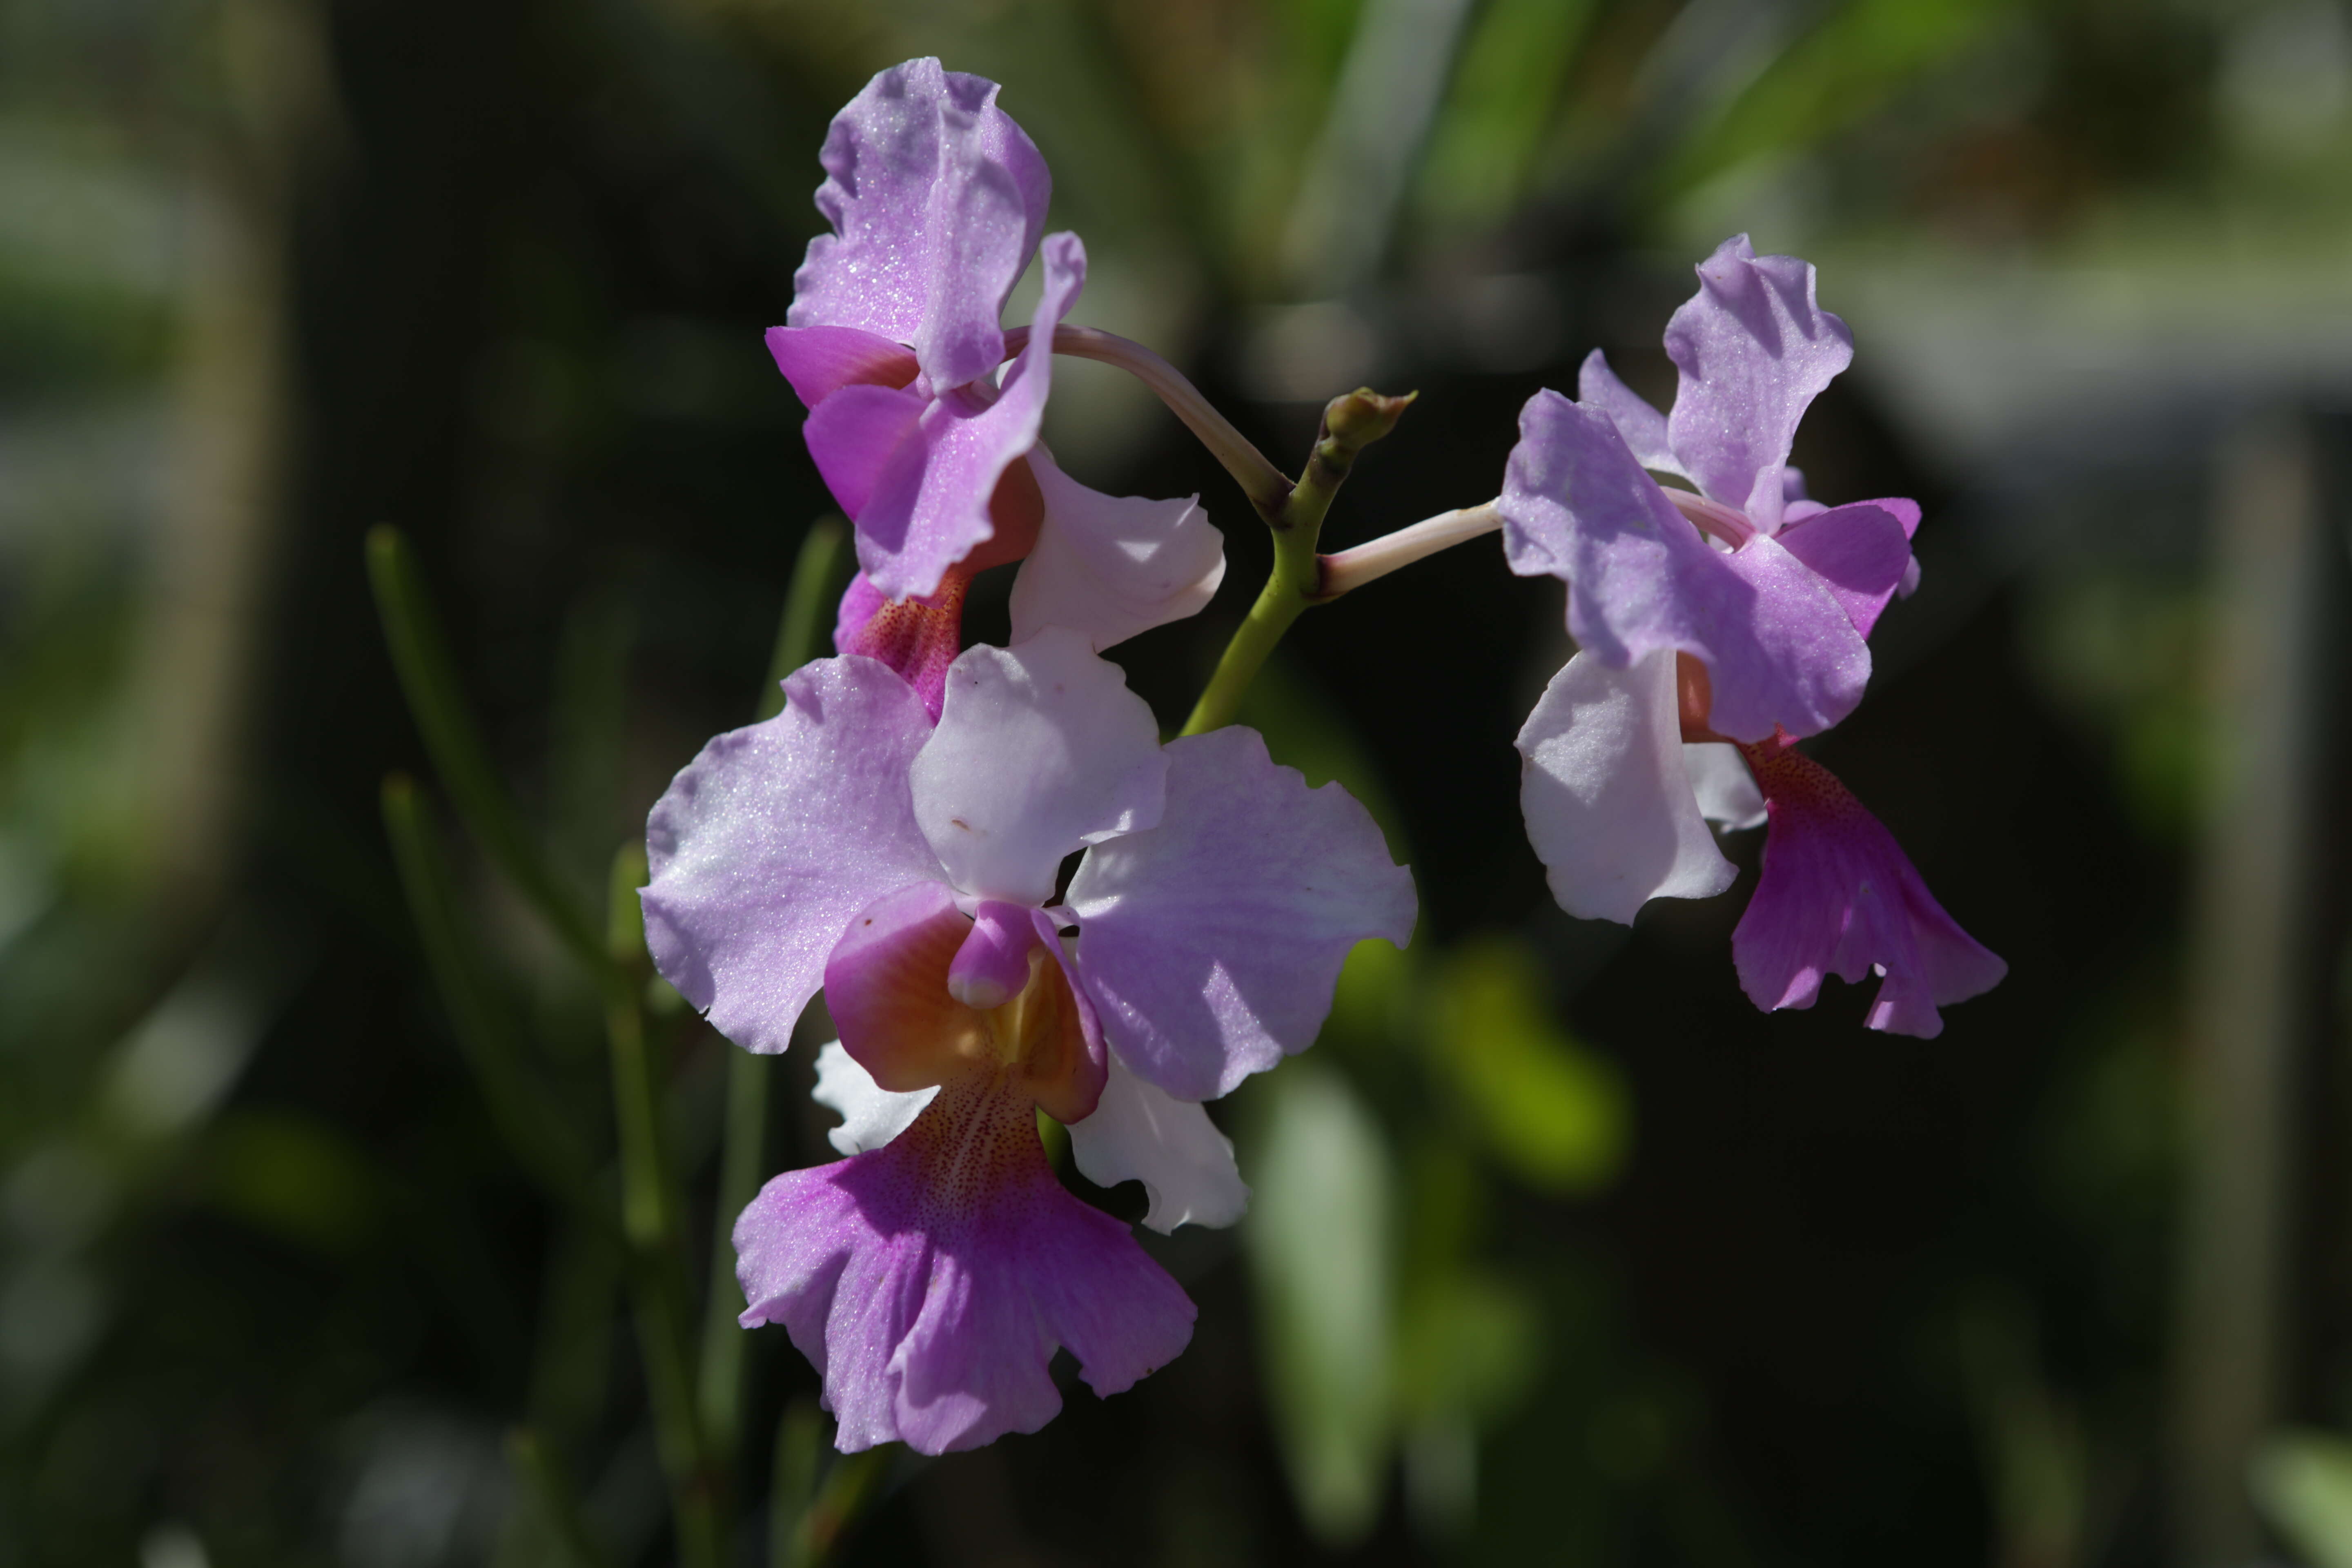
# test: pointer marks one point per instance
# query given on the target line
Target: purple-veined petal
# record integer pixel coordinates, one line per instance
(1839, 897)
(870, 1115)
(861, 434)
(936, 198)
(765, 844)
(928, 505)
(1643, 428)
(1726, 790)
(1755, 349)
(1860, 554)
(1608, 807)
(821, 361)
(1211, 944)
(1139, 1132)
(1040, 750)
(1779, 650)
(1111, 566)
(916, 637)
(929, 1281)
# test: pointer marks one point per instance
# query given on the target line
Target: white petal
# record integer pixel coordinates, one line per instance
(1040, 750)
(1111, 566)
(1141, 1132)
(870, 1115)
(1608, 806)
(1727, 791)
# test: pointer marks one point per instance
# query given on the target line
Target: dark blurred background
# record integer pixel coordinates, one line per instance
(1560, 1252)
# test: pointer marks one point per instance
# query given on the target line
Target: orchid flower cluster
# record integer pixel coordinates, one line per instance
(900, 835)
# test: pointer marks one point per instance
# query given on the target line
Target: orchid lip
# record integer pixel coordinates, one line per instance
(1711, 516)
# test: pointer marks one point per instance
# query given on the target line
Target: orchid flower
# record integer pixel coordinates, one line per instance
(936, 200)
(1737, 612)
(912, 870)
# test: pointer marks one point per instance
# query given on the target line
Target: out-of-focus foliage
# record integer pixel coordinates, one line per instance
(1560, 1252)
(2304, 1482)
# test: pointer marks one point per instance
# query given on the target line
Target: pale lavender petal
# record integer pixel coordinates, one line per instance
(821, 361)
(1859, 552)
(1040, 750)
(992, 964)
(1755, 349)
(1643, 428)
(1720, 780)
(1839, 897)
(936, 198)
(1608, 805)
(1111, 566)
(767, 844)
(928, 507)
(870, 1115)
(1779, 650)
(931, 1281)
(1211, 942)
(1139, 1132)
(860, 436)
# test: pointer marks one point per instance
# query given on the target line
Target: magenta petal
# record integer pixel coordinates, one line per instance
(1860, 554)
(766, 843)
(1839, 897)
(1780, 649)
(929, 508)
(1755, 349)
(821, 361)
(855, 434)
(936, 198)
(1213, 941)
(992, 964)
(1643, 428)
(929, 1281)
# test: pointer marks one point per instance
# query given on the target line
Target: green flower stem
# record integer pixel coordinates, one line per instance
(651, 1220)
(542, 1143)
(742, 1158)
(543, 1474)
(1349, 425)
(816, 571)
(429, 679)
(812, 1518)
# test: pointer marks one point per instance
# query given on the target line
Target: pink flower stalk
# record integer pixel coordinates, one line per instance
(1738, 612)
(893, 341)
(910, 869)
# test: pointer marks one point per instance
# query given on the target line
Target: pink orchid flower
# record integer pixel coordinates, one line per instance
(912, 870)
(936, 200)
(1735, 612)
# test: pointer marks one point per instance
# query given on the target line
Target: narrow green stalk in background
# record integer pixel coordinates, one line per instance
(1350, 424)
(651, 1217)
(429, 679)
(543, 1144)
(558, 1500)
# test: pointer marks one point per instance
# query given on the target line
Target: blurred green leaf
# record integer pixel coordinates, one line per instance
(292, 1175)
(1466, 1342)
(1853, 61)
(2303, 1483)
(1320, 1238)
(1505, 87)
(1554, 1112)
